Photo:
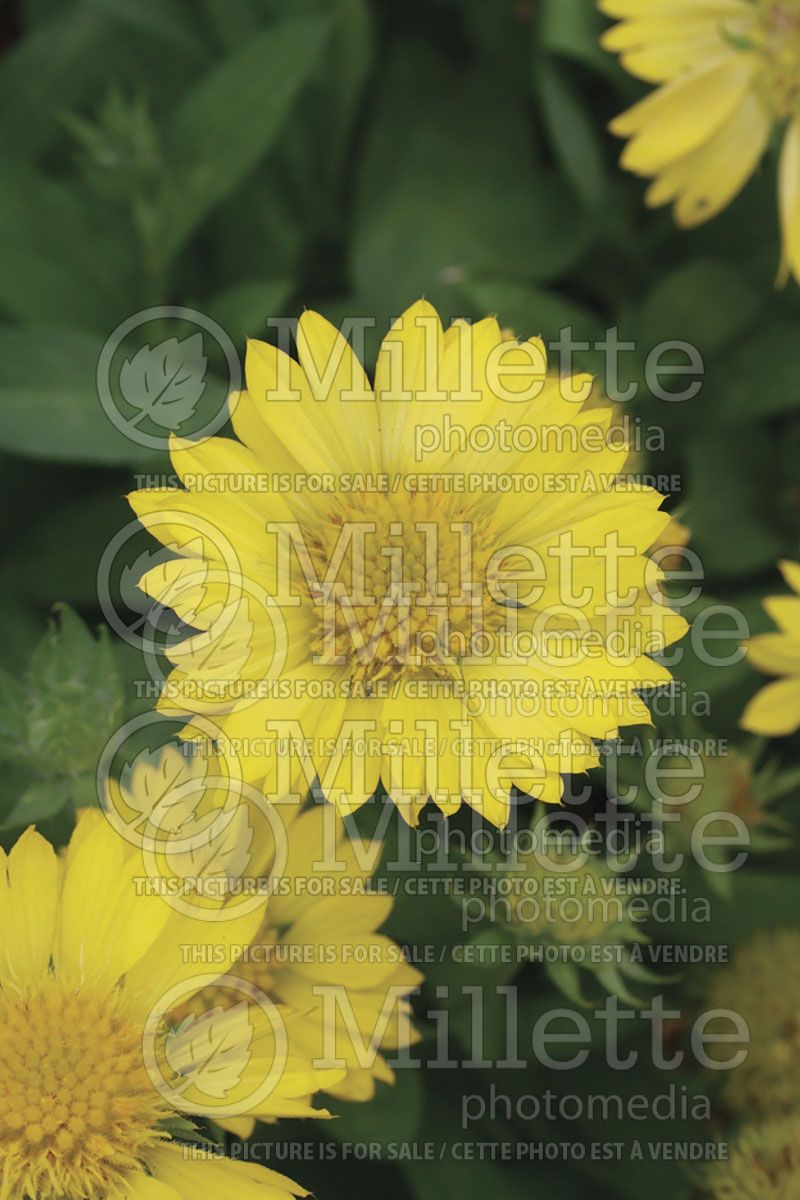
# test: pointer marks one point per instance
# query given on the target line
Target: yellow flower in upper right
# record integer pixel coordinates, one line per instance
(775, 710)
(729, 72)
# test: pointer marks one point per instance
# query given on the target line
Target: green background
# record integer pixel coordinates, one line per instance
(250, 158)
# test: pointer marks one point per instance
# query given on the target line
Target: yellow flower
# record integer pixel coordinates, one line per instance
(729, 75)
(318, 952)
(93, 1085)
(762, 984)
(316, 949)
(763, 1164)
(439, 582)
(775, 710)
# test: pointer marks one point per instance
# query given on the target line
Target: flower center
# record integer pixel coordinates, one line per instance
(77, 1109)
(407, 585)
(777, 36)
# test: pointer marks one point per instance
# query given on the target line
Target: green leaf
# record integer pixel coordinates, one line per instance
(574, 134)
(40, 801)
(729, 489)
(349, 65)
(171, 20)
(233, 21)
(571, 29)
(49, 407)
(706, 303)
(449, 189)
(759, 379)
(60, 257)
(459, 1169)
(229, 121)
(19, 624)
(242, 310)
(46, 71)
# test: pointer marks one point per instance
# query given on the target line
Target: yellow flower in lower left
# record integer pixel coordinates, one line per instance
(88, 963)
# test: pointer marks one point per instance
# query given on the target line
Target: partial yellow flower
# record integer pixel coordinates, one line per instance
(94, 1088)
(775, 710)
(319, 952)
(729, 76)
(317, 949)
(440, 583)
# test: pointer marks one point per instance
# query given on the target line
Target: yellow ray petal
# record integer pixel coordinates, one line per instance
(705, 182)
(775, 654)
(775, 710)
(29, 893)
(791, 573)
(683, 114)
(207, 1176)
(106, 923)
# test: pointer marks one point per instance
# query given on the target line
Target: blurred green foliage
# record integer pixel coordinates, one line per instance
(250, 158)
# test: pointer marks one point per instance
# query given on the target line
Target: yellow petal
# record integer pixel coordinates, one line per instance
(775, 710)
(791, 573)
(29, 888)
(785, 612)
(278, 406)
(704, 182)
(407, 371)
(106, 923)
(679, 10)
(775, 654)
(203, 1175)
(683, 114)
(169, 963)
(139, 1186)
(342, 396)
(789, 201)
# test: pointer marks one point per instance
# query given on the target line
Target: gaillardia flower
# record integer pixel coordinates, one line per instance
(86, 1111)
(729, 76)
(775, 710)
(440, 582)
(317, 950)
